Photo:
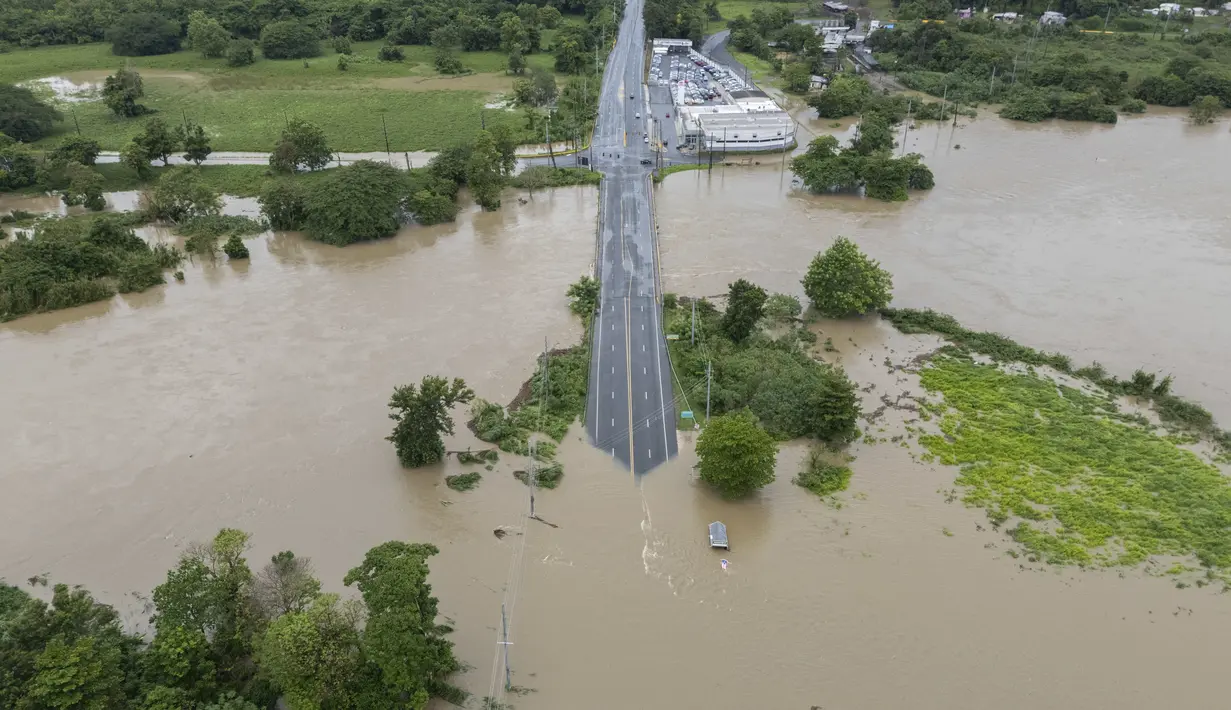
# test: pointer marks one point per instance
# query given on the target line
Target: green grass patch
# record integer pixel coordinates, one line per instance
(464, 481)
(220, 226)
(1082, 485)
(760, 71)
(660, 175)
(540, 176)
(244, 108)
(822, 477)
(1174, 411)
(730, 9)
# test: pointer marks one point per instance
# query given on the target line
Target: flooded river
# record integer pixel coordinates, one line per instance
(253, 396)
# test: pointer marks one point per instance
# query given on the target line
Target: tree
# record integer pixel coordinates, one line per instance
(313, 655)
(284, 203)
(401, 636)
(513, 35)
(302, 144)
(341, 44)
(842, 281)
(80, 673)
(180, 659)
(533, 179)
(735, 455)
(234, 248)
(517, 62)
(583, 296)
(75, 149)
(875, 135)
(18, 168)
(285, 585)
(850, 19)
(390, 53)
(230, 701)
(431, 207)
(181, 194)
(1205, 110)
(359, 202)
(798, 77)
(121, 91)
(571, 50)
(85, 187)
(549, 18)
(422, 415)
(745, 306)
(142, 34)
(444, 40)
(158, 140)
(782, 306)
(289, 39)
(135, 157)
(207, 35)
(506, 147)
(241, 52)
(196, 144)
(484, 173)
(22, 116)
(845, 96)
(209, 592)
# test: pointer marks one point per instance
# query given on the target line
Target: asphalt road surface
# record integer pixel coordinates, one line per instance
(630, 411)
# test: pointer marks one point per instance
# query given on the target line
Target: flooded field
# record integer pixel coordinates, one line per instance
(253, 396)
(1105, 243)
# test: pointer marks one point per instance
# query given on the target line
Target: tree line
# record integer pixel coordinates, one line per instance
(980, 61)
(226, 637)
(766, 388)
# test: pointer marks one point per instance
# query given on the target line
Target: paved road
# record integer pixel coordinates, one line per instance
(630, 413)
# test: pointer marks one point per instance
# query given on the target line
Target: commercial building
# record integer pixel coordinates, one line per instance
(716, 110)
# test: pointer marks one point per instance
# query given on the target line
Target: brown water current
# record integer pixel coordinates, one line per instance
(253, 395)
(1106, 243)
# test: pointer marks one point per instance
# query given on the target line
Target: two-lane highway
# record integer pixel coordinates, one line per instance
(630, 412)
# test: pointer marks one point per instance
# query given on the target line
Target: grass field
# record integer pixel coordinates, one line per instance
(244, 108)
(729, 9)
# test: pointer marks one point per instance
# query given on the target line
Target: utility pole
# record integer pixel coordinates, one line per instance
(709, 378)
(78, 125)
(547, 133)
(504, 622)
(991, 90)
(906, 123)
(385, 128)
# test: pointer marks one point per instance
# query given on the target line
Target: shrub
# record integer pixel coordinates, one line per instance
(390, 53)
(1133, 106)
(284, 204)
(359, 202)
(241, 52)
(234, 248)
(822, 477)
(341, 44)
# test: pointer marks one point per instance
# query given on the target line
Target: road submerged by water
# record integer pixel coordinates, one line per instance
(630, 409)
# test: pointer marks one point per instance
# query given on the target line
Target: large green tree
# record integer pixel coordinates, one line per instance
(191, 135)
(735, 455)
(314, 655)
(141, 34)
(302, 145)
(22, 116)
(745, 306)
(485, 172)
(289, 39)
(842, 281)
(359, 202)
(207, 35)
(422, 415)
(121, 91)
(401, 635)
(284, 203)
(158, 140)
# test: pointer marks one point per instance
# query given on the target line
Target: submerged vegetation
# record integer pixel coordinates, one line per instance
(790, 393)
(822, 477)
(549, 402)
(70, 262)
(464, 481)
(1076, 480)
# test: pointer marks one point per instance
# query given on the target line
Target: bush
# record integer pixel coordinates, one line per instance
(1205, 110)
(22, 116)
(289, 39)
(121, 91)
(75, 149)
(1166, 90)
(842, 281)
(390, 53)
(18, 168)
(302, 144)
(241, 52)
(180, 194)
(207, 35)
(1133, 106)
(143, 34)
(359, 202)
(822, 477)
(139, 273)
(464, 481)
(234, 248)
(341, 44)
(845, 96)
(284, 203)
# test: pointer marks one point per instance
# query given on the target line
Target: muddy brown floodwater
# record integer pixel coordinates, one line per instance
(253, 396)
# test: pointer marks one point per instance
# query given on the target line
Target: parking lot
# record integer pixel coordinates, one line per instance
(701, 79)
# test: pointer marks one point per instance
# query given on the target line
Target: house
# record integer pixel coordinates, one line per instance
(1005, 17)
(1052, 18)
(1171, 8)
(818, 82)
